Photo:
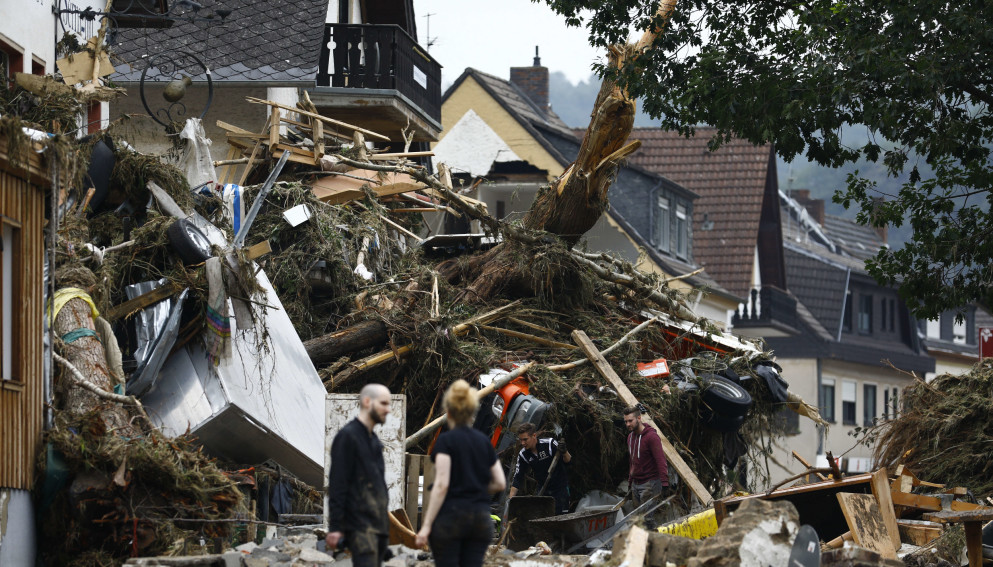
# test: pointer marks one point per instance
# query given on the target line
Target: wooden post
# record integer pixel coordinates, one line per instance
(605, 370)
(413, 489)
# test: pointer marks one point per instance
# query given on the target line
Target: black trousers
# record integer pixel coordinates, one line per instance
(368, 547)
(460, 538)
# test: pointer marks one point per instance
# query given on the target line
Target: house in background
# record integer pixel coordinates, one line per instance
(504, 132)
(857, 341)
(357, 61)
(735, 219)
(953, 339)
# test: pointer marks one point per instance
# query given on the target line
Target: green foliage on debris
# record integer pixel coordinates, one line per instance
(943, 431)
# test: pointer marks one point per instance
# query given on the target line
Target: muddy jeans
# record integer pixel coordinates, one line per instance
(641, 493)
(368, 547)
(460, 538)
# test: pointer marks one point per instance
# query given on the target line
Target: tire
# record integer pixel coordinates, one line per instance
(189, 242)
(723, 423)
(725, 397)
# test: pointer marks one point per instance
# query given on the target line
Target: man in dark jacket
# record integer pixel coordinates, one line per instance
(357, 491)
(648, 472)
(536, 456)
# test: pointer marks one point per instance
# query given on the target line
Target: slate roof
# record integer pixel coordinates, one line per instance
(856, 240)
(274, 41)
(731, 183)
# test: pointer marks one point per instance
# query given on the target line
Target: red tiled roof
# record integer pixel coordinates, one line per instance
(731, 185)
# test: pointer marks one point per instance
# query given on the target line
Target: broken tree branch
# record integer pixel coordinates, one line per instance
(81, 381)
(608, 350)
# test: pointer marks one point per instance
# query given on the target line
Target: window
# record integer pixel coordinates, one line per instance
(682, 232)
(846, 317)
(501, 209)
(933, 330)
(868, 405)
(958, 331)
(848, 393)
(827, 399)
(662, 225)
(892, 314)
(10, 298)
(886, 403)
(896, 402)
(883, 319)
(865, 314)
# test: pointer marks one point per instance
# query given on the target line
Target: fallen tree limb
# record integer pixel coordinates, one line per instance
(81, 381)
(360, 366)
(529, 337)
(608, 350)
(679, 308)
(330, 347)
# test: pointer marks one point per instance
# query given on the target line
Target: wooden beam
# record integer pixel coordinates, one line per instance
(633, 547)
(257, 250)
(398, 155)
(142, 301)
(808, 465)
(314, 115)
(929, 503)
(605, 370)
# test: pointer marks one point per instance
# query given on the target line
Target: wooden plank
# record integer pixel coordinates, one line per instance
(428, 468)
(881, 490)
(605, 370)
(235, 129)
(808, 465)
(917, 532)
(866, 523)
(294, 157)
(144, 300)
(929, 503)
(982, 514)
(256, 250)
(398, 155)
(324, 119)
(413, 489)
(274, 127)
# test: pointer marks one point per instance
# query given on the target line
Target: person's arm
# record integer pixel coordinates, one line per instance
(520, 469)
(498, 481)
(561, 446)
(659, 455)
(442, 474)
(340, 479)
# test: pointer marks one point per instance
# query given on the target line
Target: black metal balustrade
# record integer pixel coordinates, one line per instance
(374, 56)
(766, 306)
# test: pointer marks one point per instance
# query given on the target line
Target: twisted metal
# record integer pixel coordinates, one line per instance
(169, 66)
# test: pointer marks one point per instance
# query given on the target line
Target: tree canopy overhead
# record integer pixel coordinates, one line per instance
(914, 74)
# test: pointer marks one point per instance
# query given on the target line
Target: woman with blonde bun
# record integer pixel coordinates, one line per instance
(466, 472)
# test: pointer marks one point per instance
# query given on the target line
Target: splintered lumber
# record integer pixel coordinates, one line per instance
(338, 189)
(316, 116)
(605, 370)
(973, 522)
(257, 250)
(529, 337)
(918, 532)
(928, 503)
(494, 386)
(808, 465)
(866, 523)
(881, 490)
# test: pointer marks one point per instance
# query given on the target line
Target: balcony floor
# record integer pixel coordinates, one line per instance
(383, 111)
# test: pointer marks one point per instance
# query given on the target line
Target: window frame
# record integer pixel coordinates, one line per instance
(867, 419)
(12, 260)
(849, 406)
(682, 231)
(663, 223)
(863, 317)
(826, 411)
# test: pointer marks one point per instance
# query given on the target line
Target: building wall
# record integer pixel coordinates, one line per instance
(802, 375)
(17, 534)
(30, 27)
(470, 95)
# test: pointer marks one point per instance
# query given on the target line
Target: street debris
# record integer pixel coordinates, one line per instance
(195, 345)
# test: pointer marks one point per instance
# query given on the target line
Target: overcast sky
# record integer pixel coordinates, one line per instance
(495, 35)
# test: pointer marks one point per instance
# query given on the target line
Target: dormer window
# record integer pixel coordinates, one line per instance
(682, 232)
(662, 224)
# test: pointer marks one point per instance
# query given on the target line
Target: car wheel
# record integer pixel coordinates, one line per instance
(724, 396)
(723, 423)
(189, 242)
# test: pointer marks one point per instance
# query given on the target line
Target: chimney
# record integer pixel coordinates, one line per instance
(533, 81)
(815, 207)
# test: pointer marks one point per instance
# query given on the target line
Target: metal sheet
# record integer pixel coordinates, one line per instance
(266, 400)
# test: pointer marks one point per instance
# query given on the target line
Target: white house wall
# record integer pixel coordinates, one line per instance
(17, 533)
(471, 146)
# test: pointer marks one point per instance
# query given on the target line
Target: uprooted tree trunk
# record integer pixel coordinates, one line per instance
(577, 199)
(330, 347)
(86, 353)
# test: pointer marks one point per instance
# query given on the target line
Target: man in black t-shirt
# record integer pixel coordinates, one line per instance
(536, 456)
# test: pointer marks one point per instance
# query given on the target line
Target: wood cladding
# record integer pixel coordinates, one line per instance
(22, 205)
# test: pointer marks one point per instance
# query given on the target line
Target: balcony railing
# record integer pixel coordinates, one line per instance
(766, 307)
(373, 56)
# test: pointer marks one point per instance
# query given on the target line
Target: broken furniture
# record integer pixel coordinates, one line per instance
(973, 521)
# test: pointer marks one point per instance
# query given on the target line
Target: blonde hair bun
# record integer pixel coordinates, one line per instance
(461, 402)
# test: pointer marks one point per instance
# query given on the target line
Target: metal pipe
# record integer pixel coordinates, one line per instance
(239, 239)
